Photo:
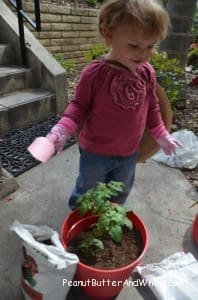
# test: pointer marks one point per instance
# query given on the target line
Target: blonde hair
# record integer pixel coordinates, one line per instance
(146, 15)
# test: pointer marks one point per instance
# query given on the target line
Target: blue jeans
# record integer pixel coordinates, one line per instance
(94, 168)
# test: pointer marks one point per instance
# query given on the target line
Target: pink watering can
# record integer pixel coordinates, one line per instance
(42, 149)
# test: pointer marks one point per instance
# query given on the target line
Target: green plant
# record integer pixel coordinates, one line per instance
(164, 2)
(92, 2)
(95, 51)
(193, 58)
(90, 244)
(170, 75)
(68, 65)
(112, 217)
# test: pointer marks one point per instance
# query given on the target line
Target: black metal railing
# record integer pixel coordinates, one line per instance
(17, 4)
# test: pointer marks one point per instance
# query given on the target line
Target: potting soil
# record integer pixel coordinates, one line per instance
(114, 255)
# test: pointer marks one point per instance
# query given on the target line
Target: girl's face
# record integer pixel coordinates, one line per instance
(130, 46)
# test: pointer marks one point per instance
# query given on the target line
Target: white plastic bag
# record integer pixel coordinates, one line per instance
(175, 277)
(186, 157)
(46, 263)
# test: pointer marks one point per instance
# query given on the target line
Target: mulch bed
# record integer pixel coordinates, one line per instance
(186, 117)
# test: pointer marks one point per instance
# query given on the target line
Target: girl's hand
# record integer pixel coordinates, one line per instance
(168, 144)
(58, 137)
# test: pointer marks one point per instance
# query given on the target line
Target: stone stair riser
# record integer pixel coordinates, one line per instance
(13, 82)
(19, 116)
(7, 55)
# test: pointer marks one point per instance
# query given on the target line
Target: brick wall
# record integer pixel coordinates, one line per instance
(66, 31)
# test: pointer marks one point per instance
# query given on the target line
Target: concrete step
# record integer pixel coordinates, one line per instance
(13, 78)
(21, 108)
(7, 55)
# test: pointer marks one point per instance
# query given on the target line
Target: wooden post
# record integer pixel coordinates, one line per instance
(178, 40)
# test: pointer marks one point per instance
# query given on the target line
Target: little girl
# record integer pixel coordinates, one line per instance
(115, 98)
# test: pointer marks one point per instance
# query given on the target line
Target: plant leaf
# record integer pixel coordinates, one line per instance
(97, 243)
(128, 223)
(116, 233)
(84, 207)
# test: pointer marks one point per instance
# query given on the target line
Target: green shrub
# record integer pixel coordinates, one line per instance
(170, 75)
(95, 51)
(193, 58)
(94, 2)
(68, 65)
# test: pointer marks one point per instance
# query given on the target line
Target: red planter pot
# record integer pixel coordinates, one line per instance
(101, 284)
(195, 230)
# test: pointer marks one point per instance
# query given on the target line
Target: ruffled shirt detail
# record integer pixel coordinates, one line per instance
(127, 91)
(115, 107)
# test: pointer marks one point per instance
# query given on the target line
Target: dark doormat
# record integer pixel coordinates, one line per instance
(14, 156)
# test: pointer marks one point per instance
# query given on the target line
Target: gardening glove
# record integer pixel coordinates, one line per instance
(58, 137)
(169, 144)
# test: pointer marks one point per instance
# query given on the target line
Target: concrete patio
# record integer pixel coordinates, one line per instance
(161, 196)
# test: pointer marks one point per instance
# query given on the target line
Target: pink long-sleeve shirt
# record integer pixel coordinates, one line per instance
(118, 105)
